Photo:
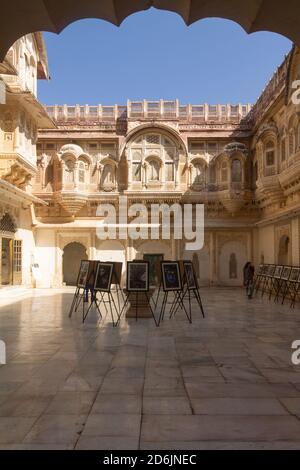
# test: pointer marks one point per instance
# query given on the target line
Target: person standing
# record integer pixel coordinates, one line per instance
(248, 272)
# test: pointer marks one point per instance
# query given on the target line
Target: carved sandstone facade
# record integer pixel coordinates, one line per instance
(20, 118)
(241, 162)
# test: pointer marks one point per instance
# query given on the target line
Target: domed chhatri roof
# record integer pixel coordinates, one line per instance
(74, 149)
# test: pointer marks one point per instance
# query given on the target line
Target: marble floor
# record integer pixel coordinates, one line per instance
(226, 381)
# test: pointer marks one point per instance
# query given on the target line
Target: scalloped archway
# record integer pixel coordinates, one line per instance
(19, 18)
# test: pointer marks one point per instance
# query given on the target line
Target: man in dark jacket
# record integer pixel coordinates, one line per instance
(248, 272)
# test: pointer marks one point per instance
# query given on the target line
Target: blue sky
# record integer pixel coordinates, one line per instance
(155, 55)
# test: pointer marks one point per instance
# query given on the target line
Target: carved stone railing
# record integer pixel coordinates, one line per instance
(162, 109)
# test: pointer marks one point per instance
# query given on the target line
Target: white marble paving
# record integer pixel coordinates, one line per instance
(224, 382)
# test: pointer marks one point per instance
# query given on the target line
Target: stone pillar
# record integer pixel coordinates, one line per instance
(144, 170)
(176, 167)
(76, 175)
(63, 173)
(163, 175)
(295, 241)
(93, 244)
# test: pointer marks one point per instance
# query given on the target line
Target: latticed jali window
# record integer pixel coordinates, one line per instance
(81, 172)
(236, 171)
(169, 171)
(270, 153)
(152, 139)
(7, 224)
(224, 172)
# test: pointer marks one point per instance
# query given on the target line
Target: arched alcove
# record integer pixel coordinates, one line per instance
(283, 250)
(72, 255)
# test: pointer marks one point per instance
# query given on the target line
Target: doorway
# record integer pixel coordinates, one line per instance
(154, 268)
(283, 251)
(73, 253)
(6, 261)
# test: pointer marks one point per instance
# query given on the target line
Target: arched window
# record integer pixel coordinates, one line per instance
(236, 171)
(270, 153)
(154, 170)
(159, 152)
(224, 172)
(81, 172)
(69, 171)
(137, 166)
(169, 171)
(212, 174)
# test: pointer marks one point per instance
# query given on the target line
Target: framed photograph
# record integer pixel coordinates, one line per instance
(286, 273)
(91, 274)
(271, 269)
(266, 269)
(295, 274)
(189, 275)
(137, 276)
(103, 277)
(83, 273)
(260, 269)
(171, 276)
(154, 268)
(278, 271)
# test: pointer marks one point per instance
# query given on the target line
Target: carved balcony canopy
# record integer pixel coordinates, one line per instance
(235, 147)
(71, 202)
(15, 170)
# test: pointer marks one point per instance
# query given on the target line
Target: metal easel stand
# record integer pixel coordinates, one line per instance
(112, 306)
(136, 305)
(294, 292)
(287, 284)
(157, 297)
(281, 287)
(77, 299)
(259, 281)
(197, 296)
(176, 304)
(95, 302)
(265, 286)
(120, 296)
(274, 287)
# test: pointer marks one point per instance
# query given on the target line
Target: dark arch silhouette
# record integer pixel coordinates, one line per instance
(283, 250)
(19, 17)
(73, 253)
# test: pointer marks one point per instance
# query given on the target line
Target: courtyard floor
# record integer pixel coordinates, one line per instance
(224, 382)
